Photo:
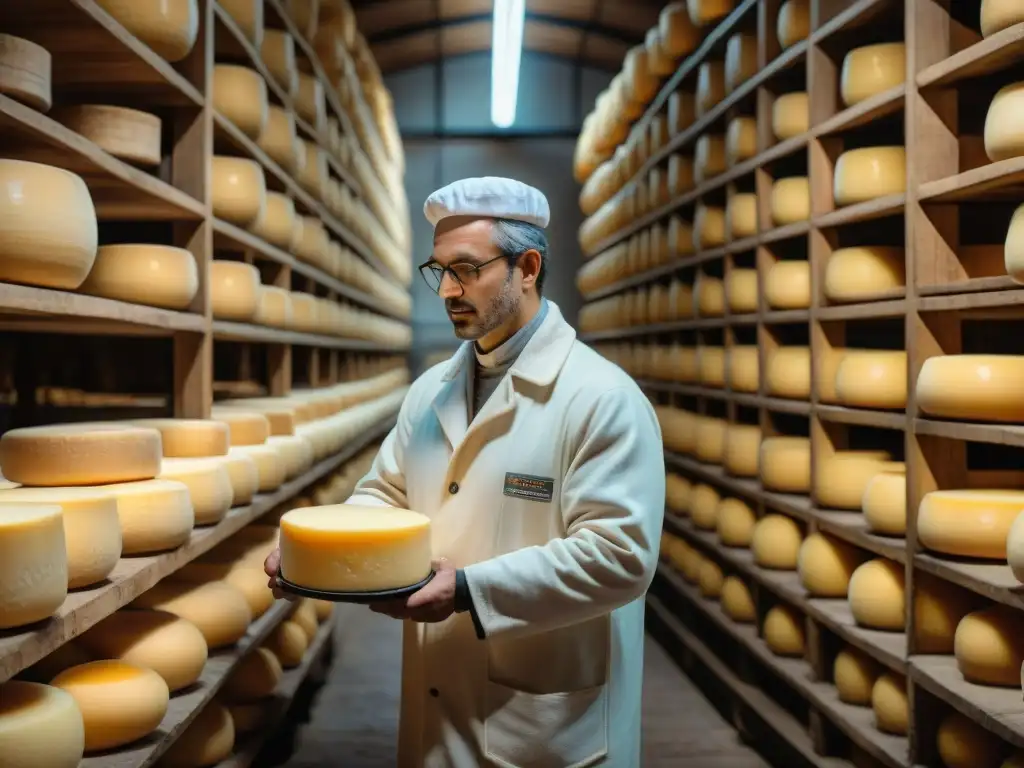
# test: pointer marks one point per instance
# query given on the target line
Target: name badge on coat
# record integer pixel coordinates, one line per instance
(529, 487)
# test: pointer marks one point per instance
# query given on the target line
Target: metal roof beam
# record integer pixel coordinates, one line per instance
(585, 27)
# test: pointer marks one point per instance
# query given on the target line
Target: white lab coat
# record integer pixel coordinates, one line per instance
(558, 583)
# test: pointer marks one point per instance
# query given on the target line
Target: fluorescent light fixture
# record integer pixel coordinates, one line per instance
(506, 50)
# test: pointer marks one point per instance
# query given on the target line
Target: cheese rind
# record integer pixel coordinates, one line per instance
(33, 563)
(244, 427)
(736, 522)
(737, 602)
(190, 438)
(962, 743)
(234, 290)
(155, 515)
(788, 285)
(791, 200)
(217, 609)
(842, 476)
(869, 173)
(288, 643)
(349, 548)
(938, 609)
(969, 523)
(786, 464)
(885, 502)
(790, 115)
(256, 677)
(863, 273)
(794, 22)
(240, 95)
(876, 595)
(854, 674)
(170, 29)
(776, 542)
(825, 565)
(245, 574)
(270, 469)
(238, 189)
(153, 275)
(997, 15)
(40, 726)
(783, 631)
(987, 648)
(889, 702)
(1003, 135)
(871, 70)
(872, 379)
(972, 387)
(788, 372)
(209, 486)
(207, 741)
(742, 449)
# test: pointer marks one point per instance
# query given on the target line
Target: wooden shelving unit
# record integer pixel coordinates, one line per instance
(955, 206)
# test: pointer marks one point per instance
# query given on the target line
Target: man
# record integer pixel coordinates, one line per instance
(540, 465)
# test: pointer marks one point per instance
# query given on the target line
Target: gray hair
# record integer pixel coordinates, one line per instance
(514, 237)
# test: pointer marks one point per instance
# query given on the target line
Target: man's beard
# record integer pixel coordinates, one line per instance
(498, 311)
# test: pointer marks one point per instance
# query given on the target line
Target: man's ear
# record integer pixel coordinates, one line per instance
(529, 264)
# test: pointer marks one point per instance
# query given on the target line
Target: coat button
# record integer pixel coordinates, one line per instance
(453, 488)
(434, 692)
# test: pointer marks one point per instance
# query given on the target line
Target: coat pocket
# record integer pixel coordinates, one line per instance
(549, 730)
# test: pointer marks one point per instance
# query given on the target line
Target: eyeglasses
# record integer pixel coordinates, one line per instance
(462, 272)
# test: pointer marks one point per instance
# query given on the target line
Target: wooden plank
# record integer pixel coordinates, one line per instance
(861, 417)
(224, 330)
(993, 580)
(889, 205)
(878, 106)
(996, 434)
(986, 57)
(976, 183)
(884, 307)
(852, 527)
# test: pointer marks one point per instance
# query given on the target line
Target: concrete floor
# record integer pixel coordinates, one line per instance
(352, 720)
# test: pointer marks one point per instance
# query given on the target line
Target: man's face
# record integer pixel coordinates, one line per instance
(487, 299)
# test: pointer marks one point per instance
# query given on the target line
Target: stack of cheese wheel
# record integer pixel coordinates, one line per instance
(876, 595)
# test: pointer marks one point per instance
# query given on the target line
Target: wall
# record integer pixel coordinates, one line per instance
(444, 116)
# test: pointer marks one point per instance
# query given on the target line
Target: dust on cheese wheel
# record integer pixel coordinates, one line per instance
(885, 502)
(240, 95)
(776, 542)
(276, 225)
(33, 563)
(741, 213)
(677, 493)
(248, 717)
(1003, 124)
(270, 469)
(975, 387)
(127, 134)
(207, 740)
(740, 60)
(889, 702)
(154, 275)
(709, 441)
(854, 674)
(736, 521)
(155, 515)
(172, 647)
(871, 70)
(744, 375)
(938, 609)
(791, 201)
(825, 565)
(863, 273)
(962, 743)
(288, 642)
(351, 548)
(869, 173)
(740, 140)
(708, 157)
(794, 22)
(790, 115)
(234, 287)
(841, 477)
(279, 138)
(40, 726)
(876, 595)
(49, 231)
(872, 379)
(788, 372)
(742, 449)
(705, 12)
(987, 646)
(244, 427)
(704, 503)
(209, 485)
(238, 189)
(256, 677)
(788, 285)
(92, 531)
(709, 292)
(710, 578)
(711, 366)
(708, 227)
(80, 454)
(219, 610)
(679, 36)
(248, 15)
(278, 53)
(710, 86)
(190, 438)
(170, 29)
(786, 464)
(969, 523)
(737, 602)
(783, 631)
(120, 702)
(997, 15)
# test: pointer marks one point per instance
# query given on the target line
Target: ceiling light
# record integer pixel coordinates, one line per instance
(506, 51)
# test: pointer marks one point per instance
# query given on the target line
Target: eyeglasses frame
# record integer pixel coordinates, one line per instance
(511, 258)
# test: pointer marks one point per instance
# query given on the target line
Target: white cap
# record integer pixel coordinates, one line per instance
(491, 197)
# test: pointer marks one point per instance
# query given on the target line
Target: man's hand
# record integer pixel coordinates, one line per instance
(434, 602)
(270, 567)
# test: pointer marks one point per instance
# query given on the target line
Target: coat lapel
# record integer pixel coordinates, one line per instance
(450, 404)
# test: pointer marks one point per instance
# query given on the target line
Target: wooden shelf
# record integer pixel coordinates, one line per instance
(224, 330)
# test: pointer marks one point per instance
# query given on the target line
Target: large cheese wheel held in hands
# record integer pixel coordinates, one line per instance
(40, 726)
(869, 173)
(120, 702)
(871, 70)
(971, 387)
(864, 273)
(155, 515)
(217, 609)
(33, 563)
(969, 523)
(987, 646)
(876, 595)
(48, 229)
(349, 548)
(154, 275)
(170, 29)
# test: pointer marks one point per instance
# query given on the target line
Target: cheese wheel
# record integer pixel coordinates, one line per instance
(972, 387)
(40, 726)
(708, 157)
(247, 718)
(1013, 252)
(273, 307)
(788, 372)
(710, 579)
(987, 648)
(155, 515)
(791, 201)
(1002, 124)
(26, 72)
(786, 464)
(170, 646)
(234, 287)
(661, 64)
(281, 413)
(209, 485)
(278, 54)
(170, 29)
(296, 451)
(248, 578)
(288, 642)
(740, 140)
(889, 702)
(708, 227)
(49, 233)
(742, 449)
(704, 502)
(871, 70)
(711, 366)
(279, 138)
(309, 101)
(791, 115)
(217, 609)
(740, 60)
(679, 36)
(709, 292)
(869, 173)
(788, 285)
(127, 134)
(741, 289)
(741, 213)
(737, 602)
(863, 273)
(783, 631)
(872, 379)
(190, 438)
(885, 502)
(680, 181)
(248, 15)
(238, 189)
(270, 469)
(968, 523)
(255, 677)
(997, 15)
(962, 743)
(736, 523)
(794, 22)
(244, 427)
(709, 441)
(854, 674)
(938, 609)
(305, 616)
(706, 12)
(744, 374)
(710, 86)
(324, 609)
(207, 740)
(842, 476)
(120, 702)
(677, 493)
(825, 565)
(92, 532)
(876, 595)
(776, 542)
(240, 95)
(276, 224)
(154, 275)
(33, 565)
(79, 454)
